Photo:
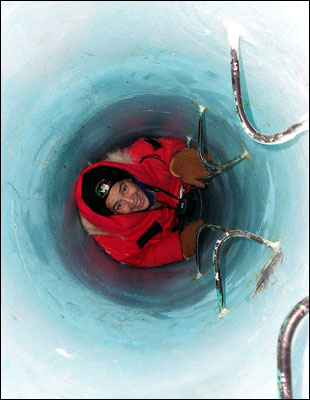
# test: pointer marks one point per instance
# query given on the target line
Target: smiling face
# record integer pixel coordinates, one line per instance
(126, 197)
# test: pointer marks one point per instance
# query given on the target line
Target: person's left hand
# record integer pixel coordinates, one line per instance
(188, 238)
(186, 165)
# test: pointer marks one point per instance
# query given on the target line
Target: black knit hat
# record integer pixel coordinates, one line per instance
(96, 185)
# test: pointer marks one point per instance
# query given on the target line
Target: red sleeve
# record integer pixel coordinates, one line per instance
(163, 148)
(165, 251)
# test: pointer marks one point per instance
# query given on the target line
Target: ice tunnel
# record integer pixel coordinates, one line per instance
(79, 78)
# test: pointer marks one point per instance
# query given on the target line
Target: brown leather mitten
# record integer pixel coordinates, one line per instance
(188, 238)
(186, 165)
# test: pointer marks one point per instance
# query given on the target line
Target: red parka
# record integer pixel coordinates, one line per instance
(146, 238)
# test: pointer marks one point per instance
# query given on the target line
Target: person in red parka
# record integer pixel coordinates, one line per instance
(130, 202)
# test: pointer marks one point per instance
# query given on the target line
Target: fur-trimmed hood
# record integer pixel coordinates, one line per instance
(119, 156)
(149, 162)
(149, 237)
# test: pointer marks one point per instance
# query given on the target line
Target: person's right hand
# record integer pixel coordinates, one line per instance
(186, 165)
(188, 238)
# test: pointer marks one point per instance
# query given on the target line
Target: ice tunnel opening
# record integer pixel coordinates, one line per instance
(117, 126)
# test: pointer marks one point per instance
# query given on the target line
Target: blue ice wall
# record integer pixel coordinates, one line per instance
(81, 77)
